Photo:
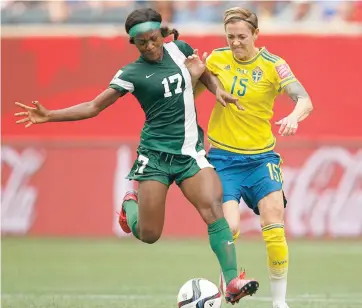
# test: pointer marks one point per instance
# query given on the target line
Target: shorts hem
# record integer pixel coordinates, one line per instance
(143, 179)
(179, 182)
(227, 198)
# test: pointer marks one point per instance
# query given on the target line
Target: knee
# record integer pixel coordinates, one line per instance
(271, 209)
(232, 215)
(212, 211)
(149, 236)
(272, 215)
(234, 223)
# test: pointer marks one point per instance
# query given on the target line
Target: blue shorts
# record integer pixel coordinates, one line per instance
(247, 176)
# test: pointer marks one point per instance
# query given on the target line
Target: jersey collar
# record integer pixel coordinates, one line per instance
(252, 59)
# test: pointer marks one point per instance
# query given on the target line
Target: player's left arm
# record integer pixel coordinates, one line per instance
(295, 90)
(299, 95)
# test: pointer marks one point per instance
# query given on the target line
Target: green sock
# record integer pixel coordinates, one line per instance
(221, 242)
(131, 208)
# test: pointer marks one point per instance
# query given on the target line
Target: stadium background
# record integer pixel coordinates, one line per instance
(62, 183)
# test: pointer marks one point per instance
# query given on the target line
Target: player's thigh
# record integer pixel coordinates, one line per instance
(151, 205)
(271, 208)
(265, 195)
(232, 215)
(204, 191)
(231, 171)
(149, 166)
(153, 185)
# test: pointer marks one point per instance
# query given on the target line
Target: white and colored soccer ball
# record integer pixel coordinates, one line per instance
(199, 293)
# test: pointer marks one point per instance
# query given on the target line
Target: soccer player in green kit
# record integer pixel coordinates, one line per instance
(172, 144)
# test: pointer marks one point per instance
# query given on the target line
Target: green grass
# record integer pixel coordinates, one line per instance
(96, 273)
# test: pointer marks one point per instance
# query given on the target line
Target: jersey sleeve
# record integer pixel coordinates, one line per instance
(122, 81)
(283, 75)
(211, 63)
(185, 48)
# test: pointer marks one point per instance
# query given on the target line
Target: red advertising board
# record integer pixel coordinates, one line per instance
(76, 190)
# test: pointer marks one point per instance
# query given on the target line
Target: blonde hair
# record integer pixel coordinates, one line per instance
(237, 13)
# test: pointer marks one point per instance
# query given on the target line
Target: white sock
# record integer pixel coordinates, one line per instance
(278, 291)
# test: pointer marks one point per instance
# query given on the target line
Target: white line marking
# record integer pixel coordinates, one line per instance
(316, 298)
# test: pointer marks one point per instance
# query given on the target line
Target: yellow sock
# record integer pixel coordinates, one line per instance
(236, 236)
(277, 250)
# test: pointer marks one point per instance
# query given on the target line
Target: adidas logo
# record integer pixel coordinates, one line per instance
(227, 67)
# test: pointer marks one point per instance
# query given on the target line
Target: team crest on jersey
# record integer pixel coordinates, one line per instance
(257, 74)
(227, 67)
(242, 71)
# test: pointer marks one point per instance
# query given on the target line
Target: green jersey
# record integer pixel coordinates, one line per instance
(164, 91)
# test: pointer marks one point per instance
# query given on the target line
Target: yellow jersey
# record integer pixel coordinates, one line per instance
(256, 83)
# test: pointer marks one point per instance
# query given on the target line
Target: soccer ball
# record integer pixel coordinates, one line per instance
(199, 293)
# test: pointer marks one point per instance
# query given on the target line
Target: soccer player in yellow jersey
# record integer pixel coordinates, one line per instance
(242, 141)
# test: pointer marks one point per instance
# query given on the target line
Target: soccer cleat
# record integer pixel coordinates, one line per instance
(130, 195)
(240, 287)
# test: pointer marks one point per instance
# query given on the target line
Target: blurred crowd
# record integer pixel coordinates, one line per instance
(177, 12)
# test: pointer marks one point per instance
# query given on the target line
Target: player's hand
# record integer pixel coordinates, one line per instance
(195, 65)
(288, 125)
(225, 98)
(32, 115)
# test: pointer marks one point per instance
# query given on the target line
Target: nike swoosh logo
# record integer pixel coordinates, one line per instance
(230, 243)
(148, 76)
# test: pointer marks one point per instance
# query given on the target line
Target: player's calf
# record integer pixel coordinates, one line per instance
(128, 220)
(271, 209)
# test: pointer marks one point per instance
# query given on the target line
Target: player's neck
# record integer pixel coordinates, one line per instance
(155, 61)
(251, 54)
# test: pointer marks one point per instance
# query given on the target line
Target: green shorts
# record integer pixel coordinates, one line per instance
(166, 168)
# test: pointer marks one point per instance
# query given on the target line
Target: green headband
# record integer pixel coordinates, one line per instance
(144, 27)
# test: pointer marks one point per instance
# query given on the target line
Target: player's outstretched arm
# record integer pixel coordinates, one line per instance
(38, 114)
(304, 106)
(199, 72)
(212, 83)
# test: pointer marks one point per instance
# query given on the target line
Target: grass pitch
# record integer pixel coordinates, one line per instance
(111, 273)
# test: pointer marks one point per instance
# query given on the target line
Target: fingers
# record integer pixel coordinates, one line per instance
(239, 106)
(293, 131)
(29, 124)
(196, 52)
(21, 114)
(289, 131)
(192, 57)
(23, 120)
(36, 103)
(287, 128)
(283, 126)
(204, 57)
(24, 106)
(232, 100)
(221, 101)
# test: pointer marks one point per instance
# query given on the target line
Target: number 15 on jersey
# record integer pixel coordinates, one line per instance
(236, 84)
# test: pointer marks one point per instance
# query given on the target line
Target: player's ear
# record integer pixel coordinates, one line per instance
(256, 34)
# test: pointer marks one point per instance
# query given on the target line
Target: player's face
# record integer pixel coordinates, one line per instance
(240, 38)
(150, 45)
